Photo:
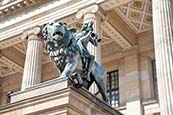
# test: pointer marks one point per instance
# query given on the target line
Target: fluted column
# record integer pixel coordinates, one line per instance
(33, 60)
(163, 42)
(90, 14)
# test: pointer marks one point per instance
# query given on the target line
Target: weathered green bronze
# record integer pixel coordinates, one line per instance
(67, 49)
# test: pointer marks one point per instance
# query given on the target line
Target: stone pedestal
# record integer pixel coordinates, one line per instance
(56, 97)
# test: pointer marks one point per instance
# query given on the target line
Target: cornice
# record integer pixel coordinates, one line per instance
(16, 6)
(110, 4)
(19, 23)
(115, 35)
(92, 9)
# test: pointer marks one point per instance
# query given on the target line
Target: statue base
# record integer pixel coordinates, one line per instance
(56, 97)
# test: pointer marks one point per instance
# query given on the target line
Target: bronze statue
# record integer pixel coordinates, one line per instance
(68, 51)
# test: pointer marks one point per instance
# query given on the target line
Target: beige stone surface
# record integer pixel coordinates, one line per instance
(56, 97)
(151, 107)
(39, 89)
(121, 26)
(113, 55)
(134, 108)
(49, 71)
(10, 83)
(146, 77)
(1, 91)
(145, 40)
(14, 55)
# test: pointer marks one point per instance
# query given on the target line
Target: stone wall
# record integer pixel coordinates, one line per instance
(56, 97)
(135, 72)
(10, 83)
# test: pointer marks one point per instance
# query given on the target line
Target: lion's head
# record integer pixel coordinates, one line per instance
(54, 31)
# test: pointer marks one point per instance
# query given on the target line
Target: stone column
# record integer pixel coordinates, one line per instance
(163, 43)
(131, 83)
(33, 60)
(90, 14)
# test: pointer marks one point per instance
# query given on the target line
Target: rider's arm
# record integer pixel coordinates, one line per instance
(83, 41)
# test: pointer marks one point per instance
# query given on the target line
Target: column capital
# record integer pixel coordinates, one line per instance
(91, 9)
(30, 32)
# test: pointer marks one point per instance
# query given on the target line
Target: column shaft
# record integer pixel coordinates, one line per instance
(33, 62)
(163, 40)
(132, 85)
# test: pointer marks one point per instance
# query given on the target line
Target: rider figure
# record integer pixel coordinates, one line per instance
(85, 36)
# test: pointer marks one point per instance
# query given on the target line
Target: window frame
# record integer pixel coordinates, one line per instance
(113, 88)
(154, 79)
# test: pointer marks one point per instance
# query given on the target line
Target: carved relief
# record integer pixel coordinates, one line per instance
(6, 69)
(138, 14)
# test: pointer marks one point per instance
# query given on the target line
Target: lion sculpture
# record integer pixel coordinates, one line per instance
(65, 51)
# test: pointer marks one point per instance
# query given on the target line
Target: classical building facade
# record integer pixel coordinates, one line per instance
(136, 51)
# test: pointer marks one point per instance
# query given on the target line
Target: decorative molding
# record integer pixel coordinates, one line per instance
(9, 62)
(112, 4)
(6, 70)
(33, 31)
(25, 21)
(21, 47)
(14, 6)
(111, 31)
(91, 9)
(16, 40)
(115, 35)
(137, 14)
(70, 20)
(8, 67)
(10, 42)
(106, 39)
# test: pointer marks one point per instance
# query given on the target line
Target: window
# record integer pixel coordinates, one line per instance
(113, 88)
(154, 75)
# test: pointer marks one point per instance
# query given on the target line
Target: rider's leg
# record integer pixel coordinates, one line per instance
(89, 66)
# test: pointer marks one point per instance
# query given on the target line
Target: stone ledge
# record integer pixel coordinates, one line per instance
(103, 106)
(40, 89)
(57, 99)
